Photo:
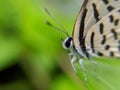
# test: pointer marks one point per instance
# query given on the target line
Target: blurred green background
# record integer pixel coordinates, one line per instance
(31, 54)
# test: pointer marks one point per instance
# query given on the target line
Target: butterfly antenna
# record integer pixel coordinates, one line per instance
(48, 23)
(51, 25)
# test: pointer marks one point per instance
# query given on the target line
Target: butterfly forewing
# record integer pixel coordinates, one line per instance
(77, 26)
(104, 37)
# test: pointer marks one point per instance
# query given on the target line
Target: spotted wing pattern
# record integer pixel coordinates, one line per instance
(97, 27)
(104, 37)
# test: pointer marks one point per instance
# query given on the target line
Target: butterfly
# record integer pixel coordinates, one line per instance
(96, 32)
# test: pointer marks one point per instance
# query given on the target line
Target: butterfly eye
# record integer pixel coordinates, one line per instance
(67, 43)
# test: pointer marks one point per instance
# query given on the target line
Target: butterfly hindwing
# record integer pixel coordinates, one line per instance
(97, 9)
(104, 37)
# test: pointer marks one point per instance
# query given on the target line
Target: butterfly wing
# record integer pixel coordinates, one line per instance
(97, 9)
(104, 37)
(91, 12)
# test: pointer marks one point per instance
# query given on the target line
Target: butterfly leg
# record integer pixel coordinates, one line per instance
(83, 69)
(93, 61)
(73, 60)
(71, 55)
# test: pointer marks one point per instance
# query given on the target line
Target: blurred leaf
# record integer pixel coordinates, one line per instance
(17, 85)
(9, 51)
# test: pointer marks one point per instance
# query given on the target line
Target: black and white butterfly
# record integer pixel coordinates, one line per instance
(96, 31)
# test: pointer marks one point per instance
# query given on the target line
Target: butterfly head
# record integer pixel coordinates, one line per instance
(67, 43)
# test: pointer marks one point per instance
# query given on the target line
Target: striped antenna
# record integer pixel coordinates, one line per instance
(53, 26)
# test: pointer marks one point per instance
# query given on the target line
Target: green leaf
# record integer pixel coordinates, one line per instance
(105, 75)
